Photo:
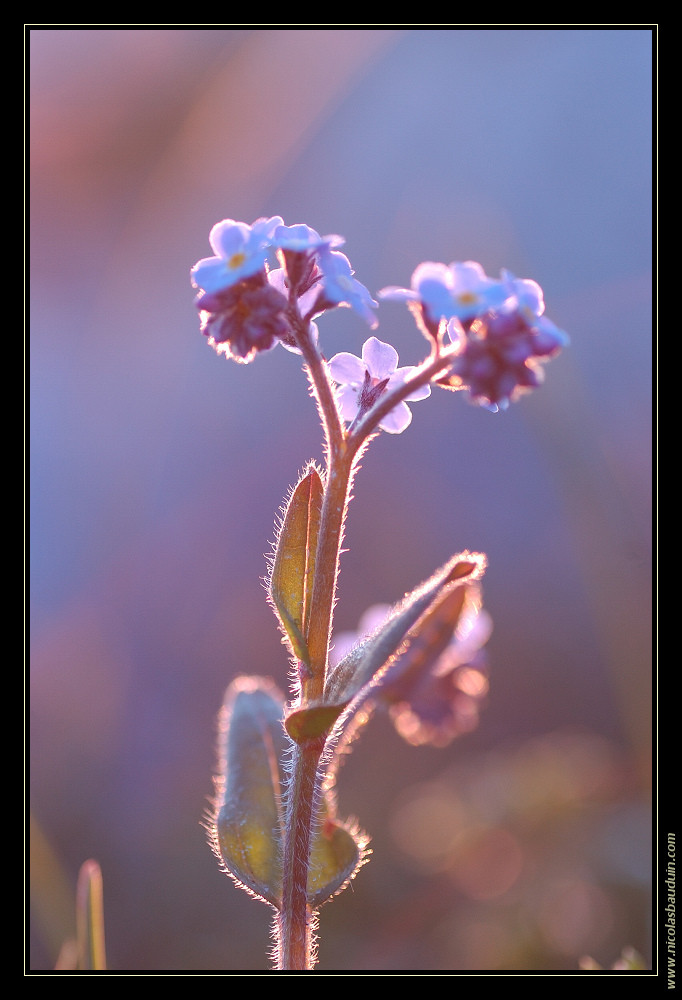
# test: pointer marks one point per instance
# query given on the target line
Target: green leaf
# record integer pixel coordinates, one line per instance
(247, 824)
(337, 853)
(309, 723)
(361, 665)
(293, 564)
(246, 829)
(427, 640)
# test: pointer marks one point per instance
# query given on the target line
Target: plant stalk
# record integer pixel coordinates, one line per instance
(295, 920)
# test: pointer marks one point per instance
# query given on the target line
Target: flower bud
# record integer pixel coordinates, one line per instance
(244, 319)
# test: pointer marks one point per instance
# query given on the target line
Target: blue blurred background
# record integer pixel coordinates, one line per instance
(157, 469)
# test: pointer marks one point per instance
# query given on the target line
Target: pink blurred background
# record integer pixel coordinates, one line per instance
(157, 469)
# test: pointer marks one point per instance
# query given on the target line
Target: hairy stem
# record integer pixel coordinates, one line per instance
(295, 921)
(324, 395)
(334, 506)
(295, 928)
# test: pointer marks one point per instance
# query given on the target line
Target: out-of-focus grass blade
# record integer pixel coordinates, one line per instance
(246, 827)
(293, 565)
(51, 893)
(67, 960)
(90, 918)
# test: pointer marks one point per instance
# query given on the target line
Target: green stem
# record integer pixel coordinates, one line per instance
(295, 920)
(324, 395)
(334, 504)
(334, 507)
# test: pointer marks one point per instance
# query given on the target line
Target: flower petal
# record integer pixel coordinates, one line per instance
(299, 237)
(307, 301)
(380, 359)
(397, 420)
(341, 287)
(314, 336)
(347, 369)
(528, 294)
(397, 294)
(400, 376)
(347, 399)
(373, 617)
(437, 298)
(430, 271)
(276, 278)
(262, 231)
(423, 392)
(210, 274)
(549, 337)
(467, 275)
(228, 237)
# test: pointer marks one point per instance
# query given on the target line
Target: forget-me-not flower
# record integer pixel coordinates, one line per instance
(341, 288)
(500, 356)
(529, 301)
(364, 380)
(245, 319)
(300, 238)
(240, 252)
(461, 290)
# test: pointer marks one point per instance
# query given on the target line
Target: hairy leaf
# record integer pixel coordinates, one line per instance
(293, 565)
(309, 723)
(361, 665)
(247, 825)
(246, 831)
(428, 639)
(338, 851)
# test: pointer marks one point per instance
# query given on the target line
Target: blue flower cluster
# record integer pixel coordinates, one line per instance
(243, 303)
(497, 327)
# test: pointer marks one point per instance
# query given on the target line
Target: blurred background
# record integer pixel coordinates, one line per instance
(157, 468)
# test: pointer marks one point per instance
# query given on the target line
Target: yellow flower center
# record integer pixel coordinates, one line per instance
(467, 298)
(236, 260)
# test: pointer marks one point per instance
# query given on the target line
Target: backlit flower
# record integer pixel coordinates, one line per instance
(461, 290)
(341, 288)
(240, 252)
(364, 380)
(278, 280)
(529, 300)
(501, 354)
(301, 237)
